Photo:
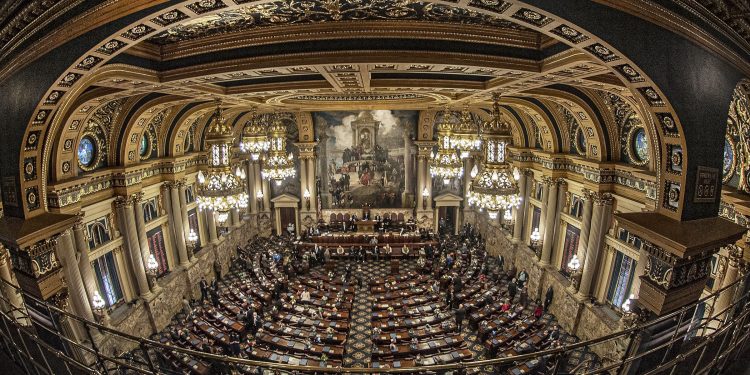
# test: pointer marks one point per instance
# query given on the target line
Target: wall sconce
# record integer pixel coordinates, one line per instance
(152, 266)
(192, 239)
(259, 198)
(98, 305)
(425, 195)
(306, 195)
(536, 240)
(574, 266)
(508, 220)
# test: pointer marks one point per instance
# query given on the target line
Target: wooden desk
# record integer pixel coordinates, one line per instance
(365, 226)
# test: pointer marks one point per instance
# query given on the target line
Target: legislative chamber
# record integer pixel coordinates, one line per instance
(440, 187)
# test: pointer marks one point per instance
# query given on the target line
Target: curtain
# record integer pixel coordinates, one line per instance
(622, 279)
(107, 279)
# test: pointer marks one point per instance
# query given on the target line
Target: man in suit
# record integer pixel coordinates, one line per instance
(512, 289)
(204, 288)
(460, 315)
(548, 298)
(522, 278)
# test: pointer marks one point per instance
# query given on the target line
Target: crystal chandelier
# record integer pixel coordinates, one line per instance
(278, 165)
(465, 135)
(445, 163)
(495, 189)
(220, 188)
(254, 138)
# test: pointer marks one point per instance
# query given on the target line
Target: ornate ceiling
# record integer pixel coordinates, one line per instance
(316, 11)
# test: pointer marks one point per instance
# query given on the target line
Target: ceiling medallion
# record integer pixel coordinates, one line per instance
(495, 188)
(220, 188)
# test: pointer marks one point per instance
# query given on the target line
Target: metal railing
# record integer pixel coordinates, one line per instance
(695, 345)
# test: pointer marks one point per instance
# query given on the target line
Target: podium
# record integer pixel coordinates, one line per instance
(365, 226)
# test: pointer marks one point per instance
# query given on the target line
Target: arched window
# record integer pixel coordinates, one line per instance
(107, 279)
(149, 210)
(98, 233)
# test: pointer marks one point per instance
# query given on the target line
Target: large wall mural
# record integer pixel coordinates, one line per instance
(362, 156)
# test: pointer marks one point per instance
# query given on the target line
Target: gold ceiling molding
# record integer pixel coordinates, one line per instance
(348, 29)
(360, 100)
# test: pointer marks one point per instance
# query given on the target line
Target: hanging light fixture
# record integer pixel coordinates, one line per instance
(445, 163)
(278, 165)
(465, 136)
(254, 138)
(220, 188)
(495, 189)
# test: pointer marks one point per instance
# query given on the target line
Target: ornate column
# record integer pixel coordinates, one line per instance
(546, 181)
(303, 181)
(176, 221)
(126, 219)
(140, 225)
(235, 217)
(549, 223)
(588, 206)
(166, 197)
(266, 194)
(407, 196)
(9, 284)
(424, 180)
(84, 263)
(182, 186)
(76, 290)
(252, 205)
(602, 209)
(311, 182)
(521, 210)
(731, 274)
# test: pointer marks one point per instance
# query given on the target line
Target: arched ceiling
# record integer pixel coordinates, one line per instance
(343, 54)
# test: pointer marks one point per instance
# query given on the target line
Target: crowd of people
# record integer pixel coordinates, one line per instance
(280, 292)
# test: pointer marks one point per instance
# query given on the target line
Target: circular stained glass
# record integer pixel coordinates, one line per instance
(728, 157)
(581, 141)
(144, 149)
(87, 151)
(640, 145)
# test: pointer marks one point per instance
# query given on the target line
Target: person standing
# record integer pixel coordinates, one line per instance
(203, 284)
(522, 278)
(548, 298)
(217, 270)
(460, 315)
(512, 289)
(524, 297)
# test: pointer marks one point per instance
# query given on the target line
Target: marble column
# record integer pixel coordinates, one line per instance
(236, 217)
(311, 177)
(583, 239)
(406, 196)
(521, 209)
(252, 205)
(266, 184)
(549, 224)
(731, 274)
(140, 225)
(303, 184)
(84, 263)
(182, 188)
(8, 285)
(602, 210)
(176, 221)
(126, 220)
(211, 226)
(76, 289)
(546, 181)
(421, 204)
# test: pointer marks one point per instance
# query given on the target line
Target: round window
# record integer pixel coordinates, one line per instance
(640, 145)
(581, 142)
(87, 151)
(728, 157)
(145, 148)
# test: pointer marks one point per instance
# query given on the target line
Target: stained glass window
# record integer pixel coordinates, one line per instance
(107, 279)
(622, 279)
(144, 149)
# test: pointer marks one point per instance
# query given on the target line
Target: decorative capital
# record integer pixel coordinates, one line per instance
(136, 198)
(602, 199)
(735, 255)
(122, 202)
(79, 224)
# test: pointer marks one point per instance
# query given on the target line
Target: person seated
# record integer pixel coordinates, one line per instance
(340, 250)
(305, 296)
(414, 343)
(505, 306)
(393, 346)
(538, 311)
(405, 250)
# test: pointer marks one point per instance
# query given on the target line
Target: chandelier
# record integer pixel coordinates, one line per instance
(278, 165)
(465, 135)
(220, 188)
(445, 163)
(254, 138)
(494, 188)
